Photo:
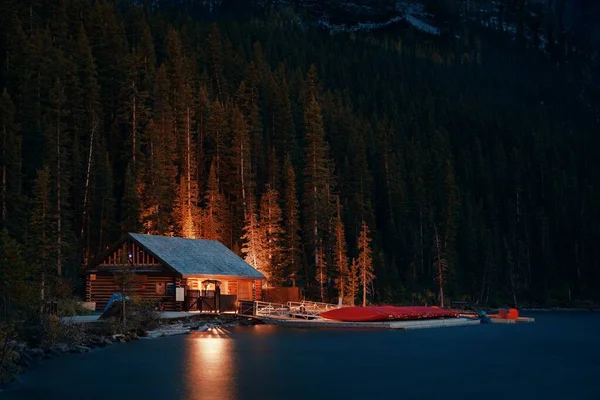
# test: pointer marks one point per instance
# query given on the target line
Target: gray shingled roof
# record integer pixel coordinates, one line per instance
(196, 256)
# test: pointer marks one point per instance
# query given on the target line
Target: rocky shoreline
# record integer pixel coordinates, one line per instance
(25, 356)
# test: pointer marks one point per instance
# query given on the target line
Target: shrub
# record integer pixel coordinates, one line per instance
(70, 306)
(9, 357)
(140, 316)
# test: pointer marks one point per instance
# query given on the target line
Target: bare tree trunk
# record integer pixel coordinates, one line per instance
(440, 267)
(364, 282)
(483, 279)
(512, 283)
(101, 233)
(87, 180)
(243, 176)
(58, 203)
(189, 160)
(42, 292)
(4, 182)
(421, 239)
(44, 256)
(134, 124)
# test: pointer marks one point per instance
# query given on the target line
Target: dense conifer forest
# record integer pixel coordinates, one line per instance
(325, 160)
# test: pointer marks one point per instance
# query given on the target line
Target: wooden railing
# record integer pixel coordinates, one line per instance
(266, 309)
(292, 309)
(309, 309)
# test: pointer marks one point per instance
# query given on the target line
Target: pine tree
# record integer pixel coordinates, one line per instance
(217, 133)
(16, 292)
(215, 210)
(57, 156)
(440, 264)
(248, 96)
(243, 186)
(364, 262)
(321, 273)
(285, 139)
(189, 190)
(158, 188)
(41, 236)
(215, 53)
(351, 289)
(130, 219)
(340, 258)
(271, 226)
(255, 242)
(10, 167)
(292, 240)
(90, 129)
(317, 180)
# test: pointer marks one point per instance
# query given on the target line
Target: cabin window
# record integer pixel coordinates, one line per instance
(193, 284)
(161, 288)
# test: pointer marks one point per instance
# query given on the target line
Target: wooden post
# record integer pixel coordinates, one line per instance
(88, 288)
(178, 304)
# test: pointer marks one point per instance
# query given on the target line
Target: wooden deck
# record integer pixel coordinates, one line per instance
(82, 319)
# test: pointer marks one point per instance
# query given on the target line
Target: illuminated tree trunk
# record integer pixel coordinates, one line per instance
(365, 262)
(341, 258)
(440, 265)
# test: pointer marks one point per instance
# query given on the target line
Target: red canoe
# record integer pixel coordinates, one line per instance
(387, 313)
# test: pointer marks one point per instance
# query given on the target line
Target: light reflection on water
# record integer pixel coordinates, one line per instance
(209, 366)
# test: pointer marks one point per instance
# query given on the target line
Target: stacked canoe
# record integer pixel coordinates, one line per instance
(387, 313)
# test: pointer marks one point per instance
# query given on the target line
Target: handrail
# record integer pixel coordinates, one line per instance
(302, 309)
(266, 309)
(309, 309)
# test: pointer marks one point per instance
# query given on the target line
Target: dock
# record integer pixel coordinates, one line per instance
(321, 323)
(519, 320)
(306, 314)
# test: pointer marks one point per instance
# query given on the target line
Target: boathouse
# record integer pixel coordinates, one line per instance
(174, 273)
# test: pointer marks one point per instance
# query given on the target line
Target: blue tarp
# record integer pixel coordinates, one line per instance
(113, 298)
(483, 317)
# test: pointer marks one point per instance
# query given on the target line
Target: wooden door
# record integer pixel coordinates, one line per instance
(244, 290)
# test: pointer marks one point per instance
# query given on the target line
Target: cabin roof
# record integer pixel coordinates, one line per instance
(196, 256)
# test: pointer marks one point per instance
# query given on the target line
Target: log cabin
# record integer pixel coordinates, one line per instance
(173, 273)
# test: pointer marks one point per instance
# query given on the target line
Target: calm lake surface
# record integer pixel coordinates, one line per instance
(558, 357)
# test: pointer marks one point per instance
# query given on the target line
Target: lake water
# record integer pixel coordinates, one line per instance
(558, 357)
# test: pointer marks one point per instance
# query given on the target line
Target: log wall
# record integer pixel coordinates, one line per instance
(104, 285)
(257, 290)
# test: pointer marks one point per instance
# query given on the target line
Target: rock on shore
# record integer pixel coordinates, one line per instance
(24, 356)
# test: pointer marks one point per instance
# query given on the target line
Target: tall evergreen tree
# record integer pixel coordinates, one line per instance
(271, 225)
(317, 180)
(58, 157)
(158, 188)
(340, 257)
(10, 167)
(292, 239)
(255, 242)
(130, 220)
(244, 187)
(41, 235)
(214, 223)
(364, 262)
(16, 292)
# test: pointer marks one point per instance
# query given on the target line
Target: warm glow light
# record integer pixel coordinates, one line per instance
(209, 368)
